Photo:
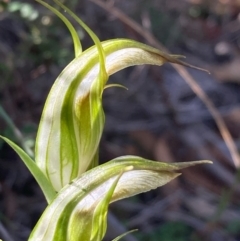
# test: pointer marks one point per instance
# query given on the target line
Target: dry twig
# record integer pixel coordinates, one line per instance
(108, 6)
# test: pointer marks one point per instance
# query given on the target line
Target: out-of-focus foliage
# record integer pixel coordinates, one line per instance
(26, 10)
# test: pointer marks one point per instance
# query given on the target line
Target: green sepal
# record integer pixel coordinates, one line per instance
(99, 224)
(76, 40)
(103, 76)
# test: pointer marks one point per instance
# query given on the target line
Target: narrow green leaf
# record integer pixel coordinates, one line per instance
(39, 176)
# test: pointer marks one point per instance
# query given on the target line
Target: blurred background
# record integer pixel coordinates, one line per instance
(167, 114)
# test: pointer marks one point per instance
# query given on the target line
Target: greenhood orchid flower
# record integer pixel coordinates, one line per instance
(77, 190)
(73, 118)
(75, 214)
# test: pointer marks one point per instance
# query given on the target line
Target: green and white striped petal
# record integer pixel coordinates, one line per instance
(79, 211)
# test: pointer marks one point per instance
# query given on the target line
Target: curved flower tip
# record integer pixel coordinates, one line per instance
(80, 208)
